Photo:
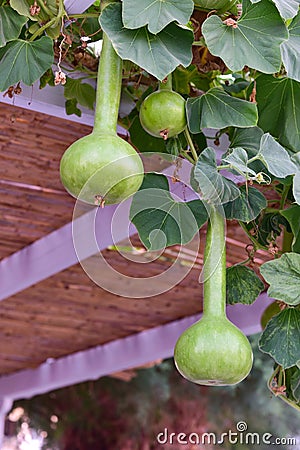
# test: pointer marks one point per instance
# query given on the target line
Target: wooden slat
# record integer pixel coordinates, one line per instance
(31, 145)
(68, 312)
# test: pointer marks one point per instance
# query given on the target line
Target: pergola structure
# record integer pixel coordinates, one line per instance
(57, 327)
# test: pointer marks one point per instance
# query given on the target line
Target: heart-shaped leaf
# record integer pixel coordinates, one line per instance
(214, 187)
(11, 24)
(160, 220)
(25, 61)
(157, 14)
(281, 338)
(159, 54)
(278, 101)
(242, 285)
(255, 41)
(283, 276)
(247, 206)
(290, 50)
(247, 138)
(275, 157)
(216, 109)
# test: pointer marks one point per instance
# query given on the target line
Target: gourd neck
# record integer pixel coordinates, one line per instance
(214, 270)
(108, 92)
(166, 85)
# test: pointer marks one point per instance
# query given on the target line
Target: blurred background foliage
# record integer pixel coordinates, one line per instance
(127, 414)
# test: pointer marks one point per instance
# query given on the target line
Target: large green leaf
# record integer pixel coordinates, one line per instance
(296, 181)
(160, 220)
(143, 140)
(157, 14)
(84, 93)
(255, 42)
(281, 338)
(25, 61)
(247, 206)
(214, 187)
(217, 109)
(247, 138)
(23, 8)
(292, 215)
(278, 101)
(296, 187)
(224, 5)
(242, 285)
(287, 8)
(275, 157)
(290, 50)
(11, 24)
(295, 382)
(159, 54)
(238, 160)
(283, 276)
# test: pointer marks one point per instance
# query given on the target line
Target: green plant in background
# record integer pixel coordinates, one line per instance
(236, 67)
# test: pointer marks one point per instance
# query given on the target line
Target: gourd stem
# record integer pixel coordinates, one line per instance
(214, 270)
(108, 91)
(167, 84)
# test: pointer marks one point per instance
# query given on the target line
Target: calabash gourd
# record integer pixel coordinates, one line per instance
(102, 167)
(162, 113)
(213, 351)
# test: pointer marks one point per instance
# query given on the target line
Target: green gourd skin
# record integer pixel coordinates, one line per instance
(162, 113)
(101, 165)
(213, 351)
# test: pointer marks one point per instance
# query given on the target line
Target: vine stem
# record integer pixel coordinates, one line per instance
(284, 196)
(191, 144)
(256, 244)
(45, 8)
(282, 397)
(185, 155)
(83, 16)
(166, 85)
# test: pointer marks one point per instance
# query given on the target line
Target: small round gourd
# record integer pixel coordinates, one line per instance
(162, 114)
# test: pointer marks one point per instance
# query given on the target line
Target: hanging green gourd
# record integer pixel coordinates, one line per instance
(102, 167)
(162, 113)
(213, 351)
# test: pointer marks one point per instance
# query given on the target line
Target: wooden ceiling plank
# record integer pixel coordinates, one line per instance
(115, 356)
